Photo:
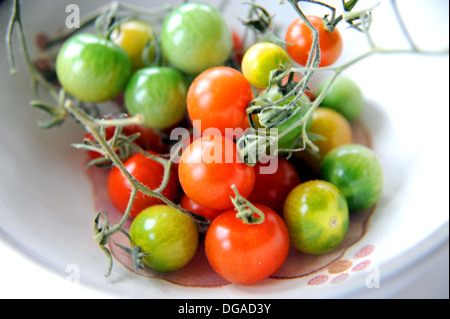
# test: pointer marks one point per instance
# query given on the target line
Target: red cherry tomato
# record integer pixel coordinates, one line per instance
(246, 253)
(208, 169)
(218, 98)
(148, 139)
(109, 133)
(300, 37)
(238, 47)
(148, 172)
(192, 206)
(272, 189)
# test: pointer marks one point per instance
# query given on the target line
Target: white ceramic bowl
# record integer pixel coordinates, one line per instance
(46, 201)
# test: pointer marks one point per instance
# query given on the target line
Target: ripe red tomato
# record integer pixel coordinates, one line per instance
(148, 172)
(272, 189)
(246, 253)
(300, 37)
(208, 169)
(238, 46)
(109, 133)
(148, 139)
(192, 206)
(218, 98)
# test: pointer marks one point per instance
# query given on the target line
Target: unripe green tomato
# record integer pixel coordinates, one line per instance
(317, 217)
(92, 69)
(344, 96)
(167, 235)
(289, 140)
(159, 94)
(357, 172)
(196, 37)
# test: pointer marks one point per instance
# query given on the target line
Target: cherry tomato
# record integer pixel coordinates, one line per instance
(92, 69)
(148, 139)
(218, 99)
(148, 172)
(300, 40)
(109, 133)
(334, 130)
(238, 47)
(357, 172)
(169, 237)
(317, 216)
(192, 206)
(158, 93)
(344, 96)
(246, 253)
(208, 169)
(134, 36)
(196, 37)
(260, 60)
(272, 189)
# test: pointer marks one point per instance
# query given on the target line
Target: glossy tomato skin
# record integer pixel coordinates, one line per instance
(317, 216)
(218, 99)
(357, 172)
(148, 172)
(196, 37)
(344, 96)
(133, 36)
(92, 69)
(208, 169)
(192, 206)
(272, 189)
(334, 130)
(247, 253)
(261, 59)
(158, 93)
(300, 38)
(169, 237)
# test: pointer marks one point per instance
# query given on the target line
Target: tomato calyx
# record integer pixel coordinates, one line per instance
(246, 211)
(136, 255)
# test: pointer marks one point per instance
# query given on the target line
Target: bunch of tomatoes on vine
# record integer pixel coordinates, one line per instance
(251, 128)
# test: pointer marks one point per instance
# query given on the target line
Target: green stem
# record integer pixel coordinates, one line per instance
(117, 6)
(246, 211)
(36, 78)
(137, 186)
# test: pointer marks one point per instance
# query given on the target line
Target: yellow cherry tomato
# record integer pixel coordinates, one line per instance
(133, 36)
(333, 129)
(260, 60)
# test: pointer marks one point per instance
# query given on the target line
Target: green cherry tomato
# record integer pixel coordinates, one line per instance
(290, 139)
(357, 172)
(167, 235)
(260, 60)
(196, 37)
(158, 93)
(317, 217)
(92, 69)
(134, 36)
(344, 96)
